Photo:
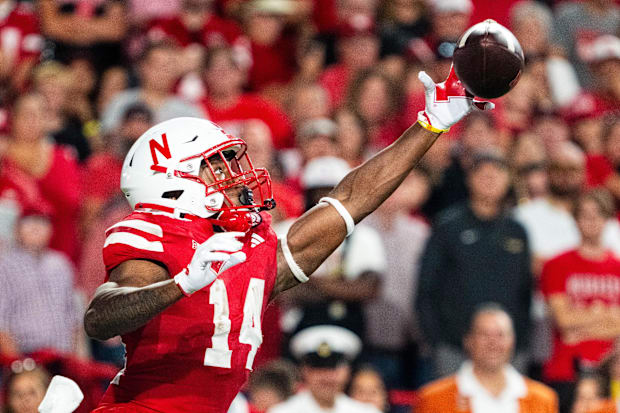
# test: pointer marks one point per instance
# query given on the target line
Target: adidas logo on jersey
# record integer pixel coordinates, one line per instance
(256, 240)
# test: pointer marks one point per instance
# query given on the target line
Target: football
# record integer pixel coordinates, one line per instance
(488, 60)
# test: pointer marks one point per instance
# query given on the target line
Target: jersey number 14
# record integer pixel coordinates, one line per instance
(220, 354)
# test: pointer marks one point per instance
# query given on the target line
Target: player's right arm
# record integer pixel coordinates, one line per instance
(138, 290)
(317, 233)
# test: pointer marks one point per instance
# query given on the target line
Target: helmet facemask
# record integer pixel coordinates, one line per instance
(228, 167)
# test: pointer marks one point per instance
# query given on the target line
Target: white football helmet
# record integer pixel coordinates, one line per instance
(162, 169)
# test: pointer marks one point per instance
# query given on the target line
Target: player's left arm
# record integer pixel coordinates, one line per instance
(317, 233)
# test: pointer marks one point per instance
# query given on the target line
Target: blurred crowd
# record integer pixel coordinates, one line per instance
(519, 207)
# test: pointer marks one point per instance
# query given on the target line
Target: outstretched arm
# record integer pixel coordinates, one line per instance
(316, 234)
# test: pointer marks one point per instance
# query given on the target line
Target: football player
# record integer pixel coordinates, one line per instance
(191, 270)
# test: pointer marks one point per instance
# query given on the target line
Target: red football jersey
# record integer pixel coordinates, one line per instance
(194, 356)
(19, 32)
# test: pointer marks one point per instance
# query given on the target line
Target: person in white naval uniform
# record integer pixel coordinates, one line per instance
(325, 353)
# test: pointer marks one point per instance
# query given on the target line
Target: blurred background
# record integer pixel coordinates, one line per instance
(518, 207)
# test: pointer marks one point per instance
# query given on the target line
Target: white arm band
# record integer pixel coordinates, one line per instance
(348, 219)
(295, 268)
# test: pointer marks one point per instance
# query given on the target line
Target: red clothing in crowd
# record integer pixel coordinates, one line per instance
(61, 187)
(17, 186)
(248, 107)
(335, 80)
(598, 170)
(272, 64)
(584, 282)
(20, 38)
(102, 177)
(215, 32)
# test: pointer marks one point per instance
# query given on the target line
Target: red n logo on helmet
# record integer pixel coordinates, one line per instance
(162, 148)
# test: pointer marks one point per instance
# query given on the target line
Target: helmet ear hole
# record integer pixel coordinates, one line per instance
(172, 194)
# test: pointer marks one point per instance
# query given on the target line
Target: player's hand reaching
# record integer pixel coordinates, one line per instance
(446, 103)
(212, 257)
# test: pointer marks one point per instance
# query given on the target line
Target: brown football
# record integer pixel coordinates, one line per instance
(488, 60)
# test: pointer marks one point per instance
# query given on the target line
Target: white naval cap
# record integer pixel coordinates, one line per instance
(326, 171)
(325, 345)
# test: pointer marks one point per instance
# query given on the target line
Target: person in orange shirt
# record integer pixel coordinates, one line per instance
(487, 382)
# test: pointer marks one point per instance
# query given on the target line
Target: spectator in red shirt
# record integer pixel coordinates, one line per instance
(375, 98)
(54, 168)
(358, 49)
(272, 42)
(229, 107)
(21, 42)
(196, 23)
(102, 173)
(308, 101)
(582, 288)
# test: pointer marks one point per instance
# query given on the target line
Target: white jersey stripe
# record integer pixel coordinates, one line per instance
(140, 225)
(133, 240)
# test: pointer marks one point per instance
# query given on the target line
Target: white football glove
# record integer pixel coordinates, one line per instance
(212, 257)
(446, 103)
(63, 396)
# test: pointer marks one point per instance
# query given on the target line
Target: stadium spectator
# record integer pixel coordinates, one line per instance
(528, 163)
(113, 81)
(367, 386)
(476, 253)
(582, 288)
(315, 138)
(487, 382)
(550, 226)
(53, 81)
(392, 326)
(25, 389)
(324, 352)
(227, 105)
(358, 49)
(271, 384)
(450, 187)
(272, 42)
(38, 309)
(19, 192)
(53, 167)
(403, 22)
(197, 23)
(577, 24)
(352, 138)
(307, 102)
(21, 45)
(532, 22)
(95, 28)
(376, 100)
(158, 72)
(611, 142)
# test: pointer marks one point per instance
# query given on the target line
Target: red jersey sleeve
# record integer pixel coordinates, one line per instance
(553, 276)
(133, 239)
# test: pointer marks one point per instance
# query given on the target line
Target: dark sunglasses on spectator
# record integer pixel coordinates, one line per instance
(531, 167)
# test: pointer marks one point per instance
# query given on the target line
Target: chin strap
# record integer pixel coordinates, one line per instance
(241, 221)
